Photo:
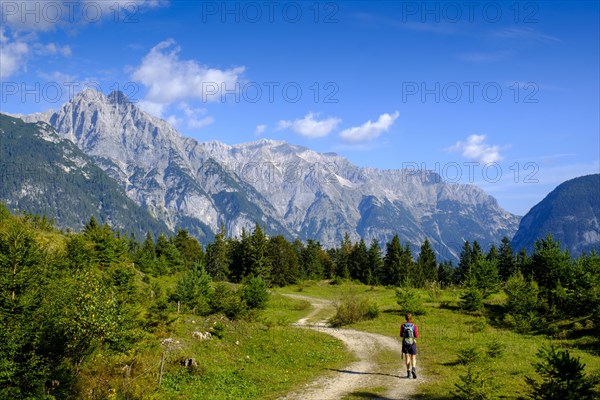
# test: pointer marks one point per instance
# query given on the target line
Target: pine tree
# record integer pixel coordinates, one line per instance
(169, 258)
(551, 269)
(412, 275)
(359, 260)
(562, 376)
(445, 273)
(22, 285)
(285, 264)
(375, 262)
(484, 275)
(464, 264)
(506, 260)
(392, 263)
(492, 254)
(189, 248)
(260, 262)
(427, 263)
(193, 290)
(342, 259)
(217, 257)
(145, 259)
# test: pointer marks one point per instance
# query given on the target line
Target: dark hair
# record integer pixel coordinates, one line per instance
(408, 316)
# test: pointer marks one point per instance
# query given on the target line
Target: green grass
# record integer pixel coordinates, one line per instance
(444, 330)
(255, 360)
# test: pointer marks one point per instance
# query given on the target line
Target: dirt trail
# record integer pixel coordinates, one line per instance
(361, 375)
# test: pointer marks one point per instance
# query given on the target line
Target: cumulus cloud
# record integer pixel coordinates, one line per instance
(369, 130)
(52, 49)
(260, 129)
(13, 55)
(170, 79)
(194, 118)
(309, 126)
(475, 148)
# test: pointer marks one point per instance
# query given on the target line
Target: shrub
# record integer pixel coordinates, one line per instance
(477, 384)
(409, 301)
(525, 323)
(495, 348)
(471, 300)
(562, 377)
(352, 308)
(478, 325)
(469, 355)
(218, 330)
(224, 300)
(255, 293)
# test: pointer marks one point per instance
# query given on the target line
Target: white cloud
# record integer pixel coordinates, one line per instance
(260, 129)
(369, 130)
(200, 123)
(52, 49)
(475, 148)
(13, 55)
(45, 15)
(195, 117)
(170, 79)
(309, 126)
(151, 107)
(174, 120)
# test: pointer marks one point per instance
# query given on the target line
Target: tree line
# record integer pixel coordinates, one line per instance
(65, 296)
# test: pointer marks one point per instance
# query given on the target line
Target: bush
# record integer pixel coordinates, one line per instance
(469, 355)
(525, 323)
(409, 301)
(495, 348)
(255, 293)
(562, 377)
(224, 300)
(218, 330)
(471, 300)
(477, 384)
(478, 325)
(352, 308)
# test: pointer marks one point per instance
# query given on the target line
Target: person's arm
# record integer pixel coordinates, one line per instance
(416, 332)
(402, 330)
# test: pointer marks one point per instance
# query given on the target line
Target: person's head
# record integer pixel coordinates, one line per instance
(408, 317)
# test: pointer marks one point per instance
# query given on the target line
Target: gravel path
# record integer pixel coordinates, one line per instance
(361, 375)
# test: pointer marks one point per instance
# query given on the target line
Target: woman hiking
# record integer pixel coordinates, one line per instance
(409, 334)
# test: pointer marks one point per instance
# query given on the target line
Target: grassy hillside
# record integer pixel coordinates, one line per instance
(446, 333)
(253, 360)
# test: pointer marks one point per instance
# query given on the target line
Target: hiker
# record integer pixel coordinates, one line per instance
(409, 334)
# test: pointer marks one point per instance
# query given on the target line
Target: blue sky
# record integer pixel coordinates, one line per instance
(501, 94)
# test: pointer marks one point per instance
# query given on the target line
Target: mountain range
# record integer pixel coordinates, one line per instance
(42, 173)
(571, 213)
(287, 189)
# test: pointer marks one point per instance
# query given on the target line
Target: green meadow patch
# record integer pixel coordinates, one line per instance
(452, 341)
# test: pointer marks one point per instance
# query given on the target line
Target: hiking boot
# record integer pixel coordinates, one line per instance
(414, 373)
(408, 374)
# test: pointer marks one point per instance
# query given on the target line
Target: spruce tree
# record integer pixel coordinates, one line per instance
(217, 257)
(375, 262)
(506, 260)
(427, 263)
(392, 264)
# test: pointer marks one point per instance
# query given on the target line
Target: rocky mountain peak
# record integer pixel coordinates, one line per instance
(288, 189)
(117, 97)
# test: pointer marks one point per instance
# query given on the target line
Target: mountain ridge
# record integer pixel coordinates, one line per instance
(43, 173)
(570, 213)
(289, 189)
